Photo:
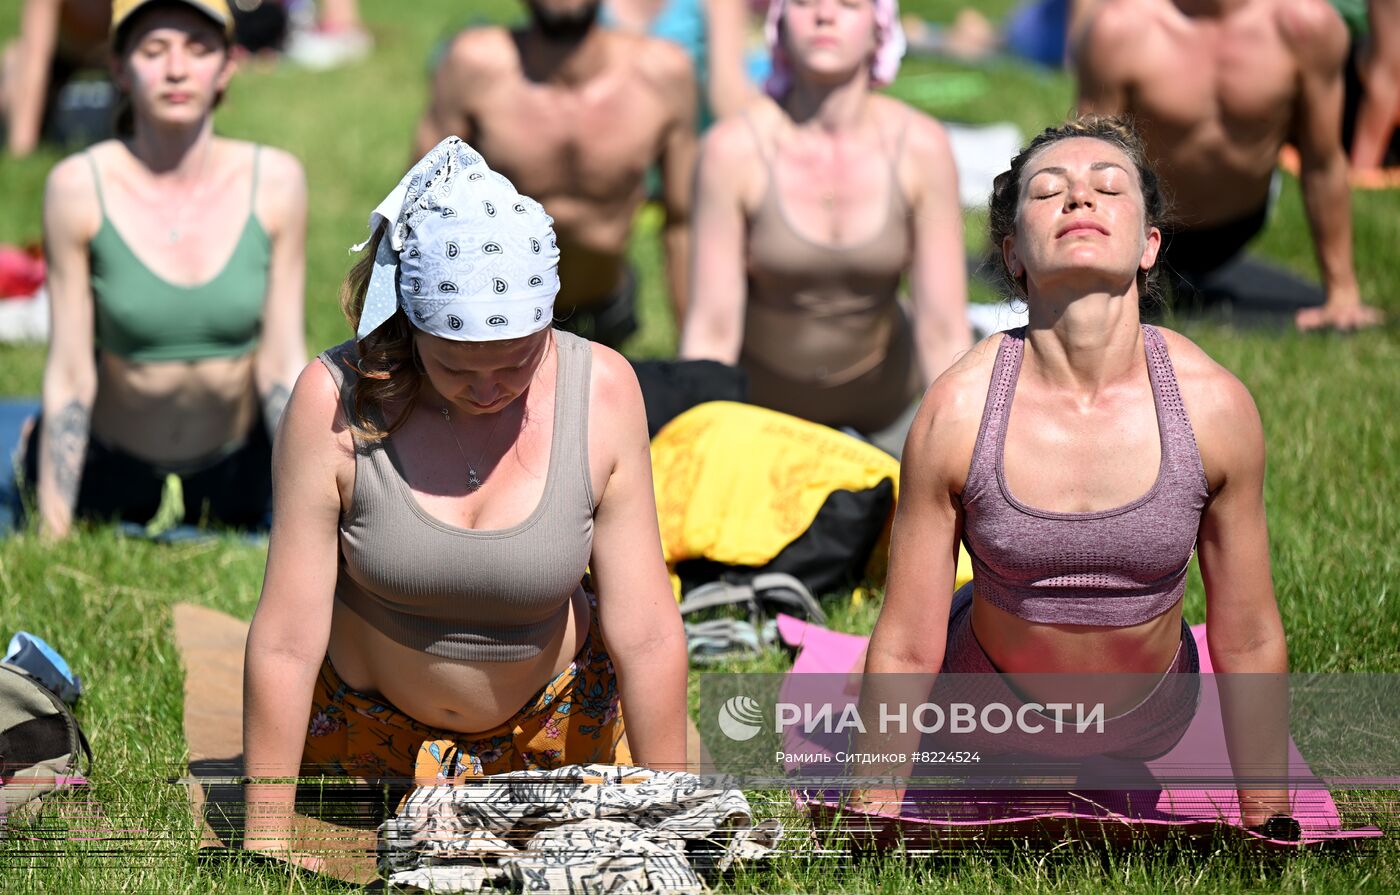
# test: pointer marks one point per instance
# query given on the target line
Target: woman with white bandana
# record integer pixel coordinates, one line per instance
(810, 208)
(441, 483)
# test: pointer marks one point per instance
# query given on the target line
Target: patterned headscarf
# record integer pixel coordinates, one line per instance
(466, 256)
(889, 47)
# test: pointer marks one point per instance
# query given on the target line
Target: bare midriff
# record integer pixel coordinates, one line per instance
(1214, 179)
(461, 696)
(1138, 653)
(593, 231)
(174, 411)
(590, 274)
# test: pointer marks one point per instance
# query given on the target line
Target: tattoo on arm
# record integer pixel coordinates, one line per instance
(274, 402)
(67, 446)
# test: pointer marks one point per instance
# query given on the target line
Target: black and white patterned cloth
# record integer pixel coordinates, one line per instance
(464, 255)
(577, 829)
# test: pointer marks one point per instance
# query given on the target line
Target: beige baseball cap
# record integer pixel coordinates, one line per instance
(218, 10)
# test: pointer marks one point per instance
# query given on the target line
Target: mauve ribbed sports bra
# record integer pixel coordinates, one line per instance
(482, 595)
(1115, 567)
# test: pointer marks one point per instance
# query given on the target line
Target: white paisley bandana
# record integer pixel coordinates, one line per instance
(466, 256)
(576, 829)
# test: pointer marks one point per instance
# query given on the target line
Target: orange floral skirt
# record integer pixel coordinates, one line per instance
(576, 718)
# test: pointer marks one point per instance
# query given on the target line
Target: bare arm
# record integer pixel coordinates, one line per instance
(714, 327)
(678, 180)
(638, 614)
(447, 113)
(1081, 13)
(938, 278)
(70, 374)
(282, 349)
(29, 76)
(1247, 647)
(728, 89)
(1380, 75)
(1319, 40)
(1103, 59)
(906, 646)
(291, 627)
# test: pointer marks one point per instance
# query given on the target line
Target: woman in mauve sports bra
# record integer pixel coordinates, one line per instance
(1080, 460)
(811, 207)
(176, 263)
(442, 483)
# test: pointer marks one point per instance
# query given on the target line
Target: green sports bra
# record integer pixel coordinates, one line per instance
(143, 317)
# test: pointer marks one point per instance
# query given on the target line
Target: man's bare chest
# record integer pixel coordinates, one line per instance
(1242, 81)
(552, 142)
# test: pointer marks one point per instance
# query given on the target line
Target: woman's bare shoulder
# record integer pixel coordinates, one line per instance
(1205, 384)
(71, 199)
(278, 168)
(962, 389)
(281, 184)
(613, 381)
(735, 138)
(944, 432)
(1224, 418)
(314, 425)
(920, 132)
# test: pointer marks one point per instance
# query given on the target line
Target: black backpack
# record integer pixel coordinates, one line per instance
(40, 741)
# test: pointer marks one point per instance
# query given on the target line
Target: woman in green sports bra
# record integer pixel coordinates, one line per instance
(176, 263)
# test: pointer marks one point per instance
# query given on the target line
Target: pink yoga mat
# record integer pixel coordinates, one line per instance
(967, 817)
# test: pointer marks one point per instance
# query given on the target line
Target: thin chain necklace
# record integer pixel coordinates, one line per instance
(181, 212)
(473, 477)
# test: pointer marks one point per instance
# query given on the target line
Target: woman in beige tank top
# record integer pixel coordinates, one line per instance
(415, 607)
(811, 207)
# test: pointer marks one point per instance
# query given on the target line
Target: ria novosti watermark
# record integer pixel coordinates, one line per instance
(1102, 731)
(740, 718)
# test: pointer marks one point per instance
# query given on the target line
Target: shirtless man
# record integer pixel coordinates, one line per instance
(1216, 87)
(574, 115)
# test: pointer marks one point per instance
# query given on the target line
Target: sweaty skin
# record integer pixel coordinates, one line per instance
(1083, 436)
(1216, 87)
(576, 127)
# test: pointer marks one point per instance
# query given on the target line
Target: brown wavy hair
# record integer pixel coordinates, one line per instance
(389, 374)
(1117, 131)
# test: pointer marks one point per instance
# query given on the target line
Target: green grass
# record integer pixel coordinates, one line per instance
(1330, 406)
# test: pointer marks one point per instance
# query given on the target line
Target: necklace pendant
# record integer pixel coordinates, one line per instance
(473, 480)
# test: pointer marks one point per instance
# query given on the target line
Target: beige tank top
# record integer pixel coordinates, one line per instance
(825, 337)
(493, 595)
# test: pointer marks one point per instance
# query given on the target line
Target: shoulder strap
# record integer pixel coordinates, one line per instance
(1178, 435)
(336, 361)
(1160, 372)
(96, 181)
(899, 140)
(253, 194)
(573, 386)
(758, 142)
(991, 434)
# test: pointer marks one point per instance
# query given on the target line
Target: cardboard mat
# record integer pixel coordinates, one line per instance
(339, 823)
(211, 651)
